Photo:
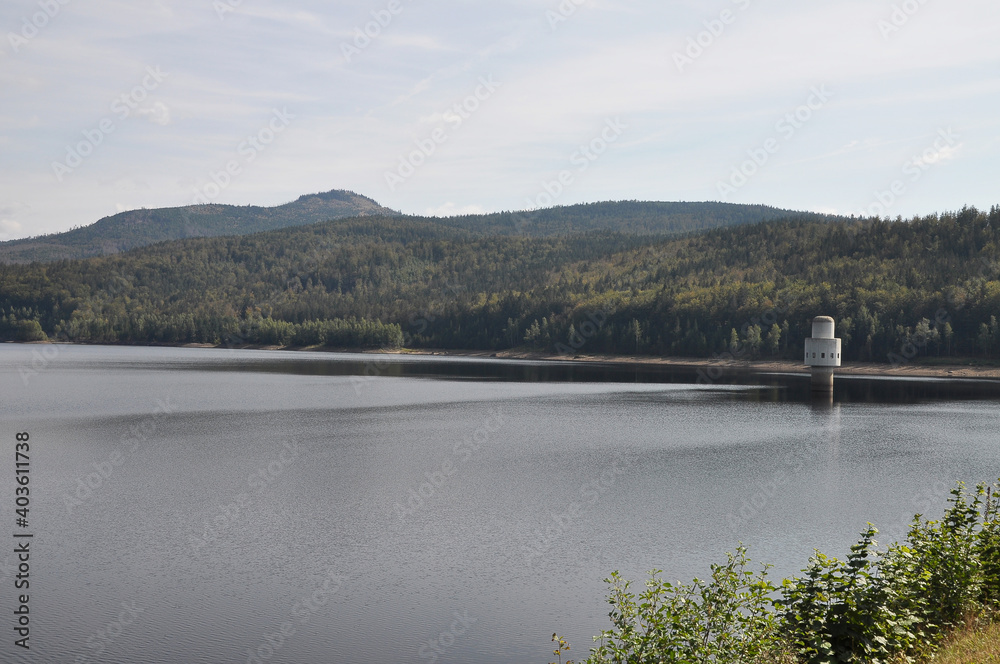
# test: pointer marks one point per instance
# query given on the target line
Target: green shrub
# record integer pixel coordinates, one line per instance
(29, 330)
(877, 607)
(988, 552)
(850, 611)
(946, 569)
(874, 609)
(726, 619)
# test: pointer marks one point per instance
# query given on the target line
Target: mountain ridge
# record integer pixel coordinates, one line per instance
(138, 228)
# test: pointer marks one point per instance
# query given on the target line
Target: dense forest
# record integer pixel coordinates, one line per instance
(899, 289)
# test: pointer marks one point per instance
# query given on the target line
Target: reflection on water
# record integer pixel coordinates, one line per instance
(772, 386)
(386, 508)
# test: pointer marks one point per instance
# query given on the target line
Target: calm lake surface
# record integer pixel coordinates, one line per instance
(190, 505)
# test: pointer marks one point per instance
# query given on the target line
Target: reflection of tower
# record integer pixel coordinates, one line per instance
(822, 354)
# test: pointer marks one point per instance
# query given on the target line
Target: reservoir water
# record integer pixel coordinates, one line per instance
(211, 505)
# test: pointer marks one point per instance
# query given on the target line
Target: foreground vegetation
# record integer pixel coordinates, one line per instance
(927, 287)
(879, 606)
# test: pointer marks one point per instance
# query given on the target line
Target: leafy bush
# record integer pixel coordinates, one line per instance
(988, 553)
(25, 329)
(727, 619)
(29, 330)
(853, 611)
(877, 607)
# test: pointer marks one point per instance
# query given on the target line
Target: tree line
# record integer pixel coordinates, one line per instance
(899, 289)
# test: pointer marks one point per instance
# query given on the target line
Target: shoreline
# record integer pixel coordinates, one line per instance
(910, 370)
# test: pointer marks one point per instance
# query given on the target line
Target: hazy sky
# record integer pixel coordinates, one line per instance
(453, 106)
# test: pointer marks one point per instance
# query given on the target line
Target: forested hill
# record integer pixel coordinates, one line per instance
(898, 289)
(138, 228)
(633, 217)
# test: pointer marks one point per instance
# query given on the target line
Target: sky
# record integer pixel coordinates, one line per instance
(885, 107)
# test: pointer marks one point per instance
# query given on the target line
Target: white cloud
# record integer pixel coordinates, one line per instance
(609, 59)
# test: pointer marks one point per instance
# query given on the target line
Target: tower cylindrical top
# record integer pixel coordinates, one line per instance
(823, 327)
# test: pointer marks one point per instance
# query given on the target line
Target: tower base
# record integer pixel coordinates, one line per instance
(822, 380)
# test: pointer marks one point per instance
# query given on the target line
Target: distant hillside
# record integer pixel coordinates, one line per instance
(138, 228)
(632, 217)
(898, 289)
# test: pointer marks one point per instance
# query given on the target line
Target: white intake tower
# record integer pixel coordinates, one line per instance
(822, 353)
